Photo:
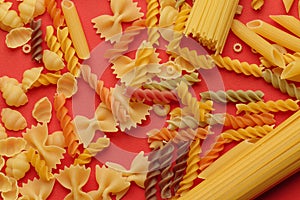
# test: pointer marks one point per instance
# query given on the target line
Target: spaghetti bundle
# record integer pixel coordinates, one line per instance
(210, 21)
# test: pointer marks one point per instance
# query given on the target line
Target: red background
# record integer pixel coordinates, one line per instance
(13, 62)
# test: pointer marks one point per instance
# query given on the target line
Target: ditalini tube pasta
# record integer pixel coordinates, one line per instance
(257, 43)
(75, 29)
(275, 34)
(252, 168)
(289, 22)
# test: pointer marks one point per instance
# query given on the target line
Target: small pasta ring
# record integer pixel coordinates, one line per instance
(26, 48)
(237, 47)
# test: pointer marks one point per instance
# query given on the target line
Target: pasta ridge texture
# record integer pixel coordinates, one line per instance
(65, 122)
(191, 169)
(233, 96)
(182, 122)
(13, 95)
(152, 21)
(166, 173)
(69, 51)
(46, 79)
(152, 174)
(39, 164)
(288, 58)
(11, 146)
(13, 119)
(55, 13)
(17, 166)
(237, 66)
(269, 106)
(36, 40)
(247, 133)
(37, 189)
(249, 120)
(52, 41)
(9, 18)
(155, 96)
(281, 84)
(26, 9)
(30, 76)
(213, 153)
(91, 151)
(181, 163)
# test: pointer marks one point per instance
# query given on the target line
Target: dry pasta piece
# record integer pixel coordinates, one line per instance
(13, 94)
(237, 66)
(74, 178)
(5, 185)
(138, 169)
(39, 8)
(13, 120)
(39, 164)
(287, 5)
(92, 150)
(18, 37)
(13, 192)
(68, 50)
(11, 146)
(17, 166)
(30, 76)
(192, 168)
(55, 13)
(291, 71)
(37, 189)
(3, 133)
(52, 41)
(110, 182)
(52, 61)
(46, 79)
(57, 139)
(152, 21)
(42, 110)
(26, 9)
(247, 133)
(289, 22)
(168, 16)
(257, 43)
(2, 162)
(36, 40)
(67, 85)
(161, 110)
(110, 27)
(36, 137)
(274, 34)
(269, 106)
(257, 4)
(169, 71)
(9, 18)
(71, 138)
(75, 29)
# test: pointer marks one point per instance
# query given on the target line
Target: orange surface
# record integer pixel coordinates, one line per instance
(13, 62)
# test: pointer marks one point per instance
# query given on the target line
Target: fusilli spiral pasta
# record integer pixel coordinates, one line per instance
(69, 51)
(17, 166)
(192, 168)
(36, 40)
(66, 125)
(237, 66)
(233, 96)
(152, 20)
(247, 133)
(39, 165)
(165, 161)
(46, 79)
(52, 41)
(155, 96)
(182, 122)
(269, 106)
(13, 120)
(281, 84)
(91, 151)
(55, 13)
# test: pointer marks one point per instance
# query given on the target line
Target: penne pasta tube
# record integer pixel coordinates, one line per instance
(75, 28)
(257, 43)
(291, 71)
(289, 22)
(259, 166)
(275, 34)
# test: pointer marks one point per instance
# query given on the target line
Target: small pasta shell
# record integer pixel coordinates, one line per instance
(13, 120)
(52, 61)
(30, 76)
(3, 133)
(42, 110)
(14, 95)
(67, 85)
(5, 185)
(12, 146)
(18, 37)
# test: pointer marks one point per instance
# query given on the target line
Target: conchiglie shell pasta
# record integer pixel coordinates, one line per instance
(42, 110)
(67, 85)
(30, 76)
(18, 37)
(12, 146)
(17, 166)
(52, 61)
(13, 120)
(14, 95)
